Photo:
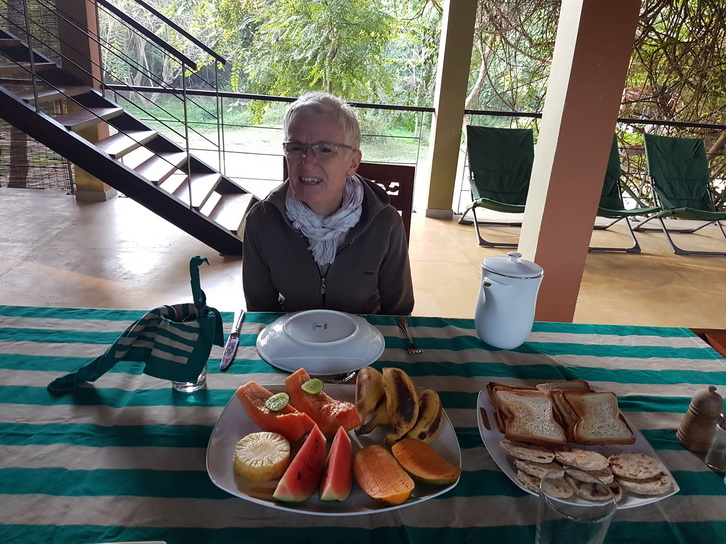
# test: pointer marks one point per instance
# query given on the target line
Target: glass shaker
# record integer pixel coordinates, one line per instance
(716, 456)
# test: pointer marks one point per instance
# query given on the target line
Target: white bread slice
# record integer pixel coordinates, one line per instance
(564, 414)
(529, 417)
(499, 416)
(578, 385)
(599, 420)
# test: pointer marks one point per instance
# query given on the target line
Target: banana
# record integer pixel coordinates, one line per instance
(401, 403)
(369, 393)
(428, 425)
(379, 416)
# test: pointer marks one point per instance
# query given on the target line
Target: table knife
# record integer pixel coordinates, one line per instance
(230, 349)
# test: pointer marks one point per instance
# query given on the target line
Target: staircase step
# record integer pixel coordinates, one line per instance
(78, 120)
(173, 183)
(210, 203)
(24, 67)
(10, 42)
(136, 157)
(230, 210)
(202, 185)
(122, 143)
(50, 93)
(161, 166)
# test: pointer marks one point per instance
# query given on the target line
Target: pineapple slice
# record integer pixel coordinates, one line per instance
(261, 457)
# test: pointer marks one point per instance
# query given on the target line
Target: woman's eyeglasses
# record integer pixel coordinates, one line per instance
(321, 150)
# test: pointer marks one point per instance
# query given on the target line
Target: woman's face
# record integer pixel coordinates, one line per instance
(318, 180)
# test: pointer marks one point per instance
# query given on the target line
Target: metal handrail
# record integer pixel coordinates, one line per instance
(186, 65)
(180, 30)
(147, 34)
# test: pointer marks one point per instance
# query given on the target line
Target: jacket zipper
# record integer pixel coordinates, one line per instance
(323, 288)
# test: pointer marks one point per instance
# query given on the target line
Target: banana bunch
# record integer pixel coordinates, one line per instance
(390, 400)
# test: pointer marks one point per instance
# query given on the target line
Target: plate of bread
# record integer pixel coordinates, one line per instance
(568, 427)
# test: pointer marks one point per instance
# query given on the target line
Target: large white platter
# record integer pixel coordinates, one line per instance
(234, 423)
(321, 341)
(491, 437)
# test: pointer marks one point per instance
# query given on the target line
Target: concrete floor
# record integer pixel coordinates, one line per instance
(117, 254)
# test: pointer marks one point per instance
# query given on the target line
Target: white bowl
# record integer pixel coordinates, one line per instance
(321, 341)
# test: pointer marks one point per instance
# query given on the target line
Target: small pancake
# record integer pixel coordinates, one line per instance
(634, 466)
(617, 491)
(658, 485)
(557, 487)
(589, 490)
(605, 475)
(528, 481)
(581, 459)
(527, 452)
(538, 470)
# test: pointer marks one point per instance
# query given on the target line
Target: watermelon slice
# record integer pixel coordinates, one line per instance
(303, 475)
(327, 412)
(289, 422)
(337, 480)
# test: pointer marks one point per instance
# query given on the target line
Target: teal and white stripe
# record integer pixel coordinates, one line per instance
(124, 459)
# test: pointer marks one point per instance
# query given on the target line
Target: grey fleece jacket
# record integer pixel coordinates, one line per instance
(371, 272)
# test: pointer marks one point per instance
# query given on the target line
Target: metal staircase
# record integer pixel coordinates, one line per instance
(135, 159)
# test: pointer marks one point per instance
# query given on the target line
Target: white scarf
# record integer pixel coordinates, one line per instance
(324, 233)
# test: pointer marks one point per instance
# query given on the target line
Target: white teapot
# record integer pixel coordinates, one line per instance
(507, 297)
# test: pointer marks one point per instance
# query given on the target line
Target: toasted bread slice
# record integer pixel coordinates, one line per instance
(499, 416)
(529, 417)
(564, 414)
(576, 385)
(599, 420)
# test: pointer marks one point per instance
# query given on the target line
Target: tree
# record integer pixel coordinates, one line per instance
(412, 54)
(678, 69)
(331, 45)
(513, 42)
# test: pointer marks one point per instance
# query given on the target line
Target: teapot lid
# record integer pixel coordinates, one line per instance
(512, 266)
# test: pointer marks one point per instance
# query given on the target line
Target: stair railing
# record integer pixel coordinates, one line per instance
(187, 68)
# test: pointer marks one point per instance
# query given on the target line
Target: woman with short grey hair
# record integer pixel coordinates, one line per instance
(325, 238)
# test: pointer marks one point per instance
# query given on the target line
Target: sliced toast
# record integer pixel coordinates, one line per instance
(598, 419)
(528, 416)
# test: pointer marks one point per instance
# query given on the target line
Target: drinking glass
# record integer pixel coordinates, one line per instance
(716, 455)
(191, 387)
(577, 518)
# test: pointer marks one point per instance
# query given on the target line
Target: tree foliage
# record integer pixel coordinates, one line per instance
(513, 42)
(677, 70)
(331, 45)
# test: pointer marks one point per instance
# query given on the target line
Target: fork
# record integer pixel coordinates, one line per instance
(413, 349)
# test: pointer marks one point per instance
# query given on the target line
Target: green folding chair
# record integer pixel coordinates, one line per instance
(500, 167)
(681, 182)
(611, 203)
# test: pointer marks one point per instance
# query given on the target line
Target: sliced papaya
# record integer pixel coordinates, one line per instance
(302, 476)
(327, 412)
(337, 482)
(424, 463)
(380, 476)
(289, 422)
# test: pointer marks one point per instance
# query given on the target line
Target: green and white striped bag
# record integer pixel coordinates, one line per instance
(173, 341)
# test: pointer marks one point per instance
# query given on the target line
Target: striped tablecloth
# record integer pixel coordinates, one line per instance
(125, 459)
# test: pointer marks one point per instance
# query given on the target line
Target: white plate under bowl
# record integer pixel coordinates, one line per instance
(491, 437)
(234, 423)
(321, 341)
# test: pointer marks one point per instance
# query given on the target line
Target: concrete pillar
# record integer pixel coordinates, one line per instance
(592, 51)
(84, 62)
(452, 78)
